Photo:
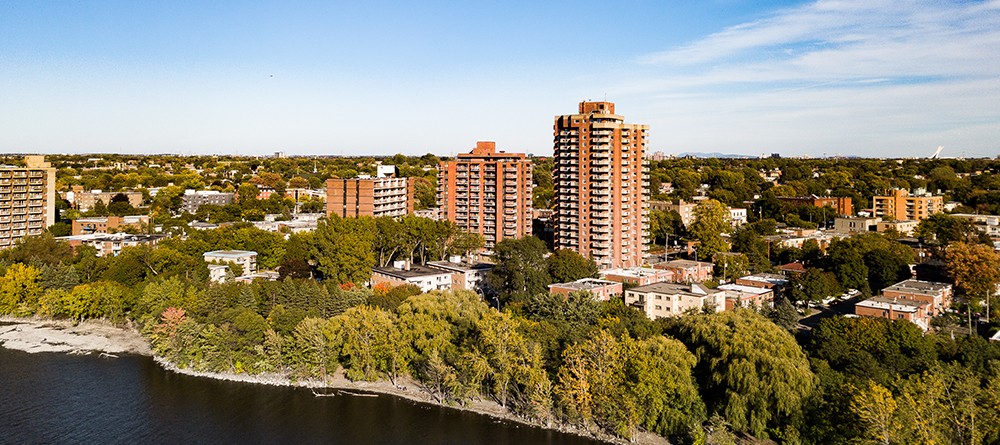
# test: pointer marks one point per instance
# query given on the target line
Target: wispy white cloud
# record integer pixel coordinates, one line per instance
(843, 64)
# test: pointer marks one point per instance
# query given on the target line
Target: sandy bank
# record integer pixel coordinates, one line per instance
(37, 335)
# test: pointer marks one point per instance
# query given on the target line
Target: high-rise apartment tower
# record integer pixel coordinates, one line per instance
(27, 200)
(487, 192)
(601, 186)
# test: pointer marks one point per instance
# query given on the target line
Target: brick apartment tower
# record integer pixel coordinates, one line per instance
(487, 192)
(601, 186)
(349, 198)
(27, 200)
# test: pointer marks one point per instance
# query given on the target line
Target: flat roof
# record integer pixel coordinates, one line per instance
(415, 271)
(230, 253)
(772, 278)
(586, 284)
(635, 272)
(896, 304)
(686, 263)
(918, 287)
(746, 289)
(673, 288)
(463, 266)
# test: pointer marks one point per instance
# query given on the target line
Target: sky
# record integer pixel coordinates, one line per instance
(873, 78)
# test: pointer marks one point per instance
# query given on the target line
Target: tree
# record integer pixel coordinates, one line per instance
(247, 193)
(521, 270)
(566, 265)
(814, 285)
(750, 371)
(876, 407)
(44, 249)
(943, 229)
(343, 249)
(19, 290)
(975, 268)
(711, 221)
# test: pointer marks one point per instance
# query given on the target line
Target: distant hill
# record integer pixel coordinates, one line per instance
(715, 155)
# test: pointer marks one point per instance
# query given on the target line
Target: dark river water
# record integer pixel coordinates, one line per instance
(57, 398)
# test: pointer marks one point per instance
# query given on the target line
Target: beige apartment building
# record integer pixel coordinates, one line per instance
(85, 201)
(27, 200)
(900, 205)
(367, 196)
(487, 192)
(601, 186)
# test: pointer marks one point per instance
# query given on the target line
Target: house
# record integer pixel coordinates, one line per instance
(792, 269)
(603, 290)
(402, 273)
(936, 295)
(638, 276)
(467, 274)
(660, 300)
(246, 260)
(915, 312)
(687, 271)
(739, 295)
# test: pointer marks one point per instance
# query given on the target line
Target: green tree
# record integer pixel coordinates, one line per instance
(711, 221)
(19, 290)
(814, 285)
(343, 249)
(749, 370)
(521, 270)
(566, 265)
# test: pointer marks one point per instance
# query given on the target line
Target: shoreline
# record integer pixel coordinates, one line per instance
(34, 335)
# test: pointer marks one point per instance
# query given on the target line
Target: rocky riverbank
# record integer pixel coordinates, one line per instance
(88, 337)
(39, 335)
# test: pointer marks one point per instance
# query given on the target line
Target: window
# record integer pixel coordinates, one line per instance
(659, 308)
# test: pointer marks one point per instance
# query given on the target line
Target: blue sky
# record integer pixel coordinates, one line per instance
(869, 78)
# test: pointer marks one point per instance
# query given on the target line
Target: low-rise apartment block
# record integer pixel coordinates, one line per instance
(105, 224)
(603, 290)
(673, 299)
(466, 274)
(638, 276)
(193, 199)
(27, 200)
(849, 225)
(111, 244)
(936, 295)
(743, 296)
(85, 201)
(905, 227)
(402, 273)
(687, 271)
(915, 312)
(245, 260)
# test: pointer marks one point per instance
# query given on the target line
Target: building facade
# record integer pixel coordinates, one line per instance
(104, 224)
(602, 290)
(193, 199)
(367, 196)
(660, 300)
(902, 206)
(601, 186)
(487, 192)
(85, 201)
(27, 200)
(936, 295)
(842, 205)
(244, 259)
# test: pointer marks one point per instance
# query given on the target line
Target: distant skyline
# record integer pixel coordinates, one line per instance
(855, 78)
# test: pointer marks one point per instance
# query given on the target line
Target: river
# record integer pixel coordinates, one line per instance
(62, 399)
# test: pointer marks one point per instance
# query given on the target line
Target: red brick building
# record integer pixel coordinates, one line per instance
(601, 186)
(487, 192)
